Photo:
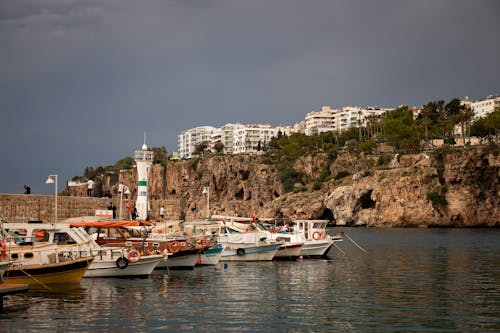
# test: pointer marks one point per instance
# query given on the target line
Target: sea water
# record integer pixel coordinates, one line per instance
(409, 280)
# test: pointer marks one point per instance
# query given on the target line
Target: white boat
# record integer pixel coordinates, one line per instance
(208, 230)
(116, 262)
(289, 250)
(108, 262)
(182, 250)
(317, 242)
(311, 233)
(241, 245)
(211, 256)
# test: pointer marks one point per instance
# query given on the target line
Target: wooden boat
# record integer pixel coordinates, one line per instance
(182, 251)
(41, 264)
(108, 262)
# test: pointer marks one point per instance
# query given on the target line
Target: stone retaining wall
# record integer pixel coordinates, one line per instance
(24, 207)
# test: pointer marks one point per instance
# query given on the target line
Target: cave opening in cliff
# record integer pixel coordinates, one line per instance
(366, 200)
(239, 194)
(327, 215)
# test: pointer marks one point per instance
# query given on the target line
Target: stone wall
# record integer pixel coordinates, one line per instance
(23, 208)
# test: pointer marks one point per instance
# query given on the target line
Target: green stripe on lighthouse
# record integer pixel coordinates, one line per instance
(143, 183)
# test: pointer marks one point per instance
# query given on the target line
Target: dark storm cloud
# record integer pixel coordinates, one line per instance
(82, 80)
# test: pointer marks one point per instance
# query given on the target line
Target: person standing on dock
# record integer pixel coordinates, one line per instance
(162, 212)
(27, 189)
(90, 187)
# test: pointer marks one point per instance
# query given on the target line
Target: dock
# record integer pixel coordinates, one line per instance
(9, 289)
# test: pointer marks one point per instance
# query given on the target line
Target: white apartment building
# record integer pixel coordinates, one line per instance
(339, 120)
(253, 138)
(484, 107)
(189, 139)
(227, 136)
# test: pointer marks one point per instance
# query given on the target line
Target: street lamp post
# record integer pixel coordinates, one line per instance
(122, 187)
(206, 190)
(50, 180)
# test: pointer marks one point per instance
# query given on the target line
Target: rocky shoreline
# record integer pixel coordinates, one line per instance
(442, 188)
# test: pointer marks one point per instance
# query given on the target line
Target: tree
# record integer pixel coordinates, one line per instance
(464, 118)
(125, 163)
(219, 147)
(200, 148)
(399, 130)
(487, 126)
(160, 155)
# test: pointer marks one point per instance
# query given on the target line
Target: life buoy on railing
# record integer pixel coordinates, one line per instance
(240, 252)
(184, 245)
(133, 255)
(174, 246)
(316, 235)
(3, 253)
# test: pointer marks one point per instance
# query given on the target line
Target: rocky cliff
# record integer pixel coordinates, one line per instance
(459, 188)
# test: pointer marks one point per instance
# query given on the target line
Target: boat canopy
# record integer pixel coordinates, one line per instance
(106, 224)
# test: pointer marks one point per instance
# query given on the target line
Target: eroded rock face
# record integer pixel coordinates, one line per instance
(461, 188)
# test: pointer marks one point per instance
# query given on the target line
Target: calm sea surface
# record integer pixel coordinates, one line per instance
(411, 280)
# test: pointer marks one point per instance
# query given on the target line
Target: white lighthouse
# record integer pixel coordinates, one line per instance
(143, 160)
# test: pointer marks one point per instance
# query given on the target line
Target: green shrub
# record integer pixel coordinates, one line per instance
(437, 199)
(341, 175)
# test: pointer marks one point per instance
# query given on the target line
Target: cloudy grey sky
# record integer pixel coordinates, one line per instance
(80, 81)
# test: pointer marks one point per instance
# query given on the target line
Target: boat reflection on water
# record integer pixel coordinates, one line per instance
(408, 281)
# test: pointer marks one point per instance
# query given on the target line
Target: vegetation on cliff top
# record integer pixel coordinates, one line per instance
(398, 128)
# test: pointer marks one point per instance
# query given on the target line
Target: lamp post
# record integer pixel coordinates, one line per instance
(206, 190)
(50, 180)
(122, 187)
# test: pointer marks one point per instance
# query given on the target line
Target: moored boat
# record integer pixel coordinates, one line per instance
(211, 256)
(246, 245)
(108, 262)
(43, 264)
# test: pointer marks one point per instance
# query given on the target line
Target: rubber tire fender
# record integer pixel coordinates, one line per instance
(122, 263)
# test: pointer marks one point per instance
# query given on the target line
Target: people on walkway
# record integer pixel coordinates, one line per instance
(90, 187)
(112, 207)
(162, 212)
(27, 189)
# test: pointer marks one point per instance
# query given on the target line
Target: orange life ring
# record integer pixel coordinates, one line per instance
(174, 246)
(133, 255)
(316, 235)
(184, 245)
(3, 254)
(39, 234)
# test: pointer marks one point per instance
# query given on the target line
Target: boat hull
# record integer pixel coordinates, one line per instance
(315, 249)
(211, 256)
(289, 251)
(249, 252)
(109, 268)
(54, 273)
(186, 261)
